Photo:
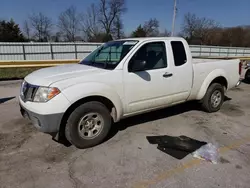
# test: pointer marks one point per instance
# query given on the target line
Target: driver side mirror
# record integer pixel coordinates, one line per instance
(137, 65)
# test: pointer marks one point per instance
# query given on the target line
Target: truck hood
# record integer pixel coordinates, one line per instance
(47, 76)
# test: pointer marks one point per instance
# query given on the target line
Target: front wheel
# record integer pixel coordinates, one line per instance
(88, 125)
(213, 98)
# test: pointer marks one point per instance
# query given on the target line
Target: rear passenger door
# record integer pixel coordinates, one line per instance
(182, 72)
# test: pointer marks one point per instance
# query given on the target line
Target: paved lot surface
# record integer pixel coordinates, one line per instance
(32, 159)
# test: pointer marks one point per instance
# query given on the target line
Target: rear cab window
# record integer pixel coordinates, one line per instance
(179, 53)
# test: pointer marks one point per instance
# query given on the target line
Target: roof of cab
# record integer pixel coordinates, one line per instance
(152, 38)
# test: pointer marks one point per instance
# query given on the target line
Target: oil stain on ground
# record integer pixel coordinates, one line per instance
(15, 133)
(238, 167)
(56, 153)
(231, 110)
(224, 161)
(237, 89)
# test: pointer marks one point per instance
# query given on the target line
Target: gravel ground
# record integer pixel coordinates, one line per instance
(29, 158)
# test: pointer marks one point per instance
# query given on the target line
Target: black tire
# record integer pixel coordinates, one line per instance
(207, 100)
(247, 76)
(71, 130)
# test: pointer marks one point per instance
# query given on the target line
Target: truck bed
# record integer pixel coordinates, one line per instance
(204, 68)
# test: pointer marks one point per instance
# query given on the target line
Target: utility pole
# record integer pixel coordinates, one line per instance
(174, 16)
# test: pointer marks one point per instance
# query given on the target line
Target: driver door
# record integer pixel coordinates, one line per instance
(149, 87)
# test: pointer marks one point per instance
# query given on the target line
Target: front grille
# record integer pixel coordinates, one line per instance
(28, 91)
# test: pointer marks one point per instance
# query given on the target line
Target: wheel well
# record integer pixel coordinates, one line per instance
(220, 80)
(110, 106)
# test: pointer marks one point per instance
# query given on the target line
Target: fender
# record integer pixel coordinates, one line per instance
(207, 81)
(83, 90)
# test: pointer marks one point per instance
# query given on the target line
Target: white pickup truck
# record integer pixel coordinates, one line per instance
(119, 79)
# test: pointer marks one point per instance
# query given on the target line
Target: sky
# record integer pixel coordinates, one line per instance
(226, 12)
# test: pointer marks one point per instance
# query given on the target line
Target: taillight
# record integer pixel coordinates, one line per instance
(240, 65)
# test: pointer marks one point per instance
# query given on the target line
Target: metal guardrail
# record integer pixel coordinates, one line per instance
(216, 57)
(48, 51)
(49, 63)
(79, 50)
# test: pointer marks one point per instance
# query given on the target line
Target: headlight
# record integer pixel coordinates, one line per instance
(44, 94)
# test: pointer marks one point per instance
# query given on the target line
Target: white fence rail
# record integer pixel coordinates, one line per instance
(50, 51)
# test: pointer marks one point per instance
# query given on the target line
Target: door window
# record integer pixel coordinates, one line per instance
(180, 57)
(152, 54)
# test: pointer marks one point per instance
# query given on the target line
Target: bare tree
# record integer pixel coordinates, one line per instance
(109, 10)
(117, 29)
(151, 27)
(57, 37)
(41, 25)
(90, 23)
(69, 23)
(189, 26)
(165, 33)
(26, 29)
(198, 30)
(139, 32)
(103, 20)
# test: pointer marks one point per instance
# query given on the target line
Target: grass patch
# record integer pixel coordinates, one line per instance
(15, 73)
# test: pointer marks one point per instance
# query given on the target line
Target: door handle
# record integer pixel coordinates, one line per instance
(167, 74)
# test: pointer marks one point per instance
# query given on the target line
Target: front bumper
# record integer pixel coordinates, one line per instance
(45, 123)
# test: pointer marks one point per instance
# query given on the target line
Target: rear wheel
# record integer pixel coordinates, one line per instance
(213, 98)
(88, 125)
(247, 76)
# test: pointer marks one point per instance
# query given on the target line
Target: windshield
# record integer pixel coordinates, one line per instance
(110, 54)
